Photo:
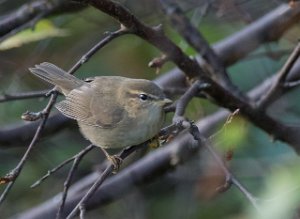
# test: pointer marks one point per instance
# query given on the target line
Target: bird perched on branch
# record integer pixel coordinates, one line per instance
(111, 111)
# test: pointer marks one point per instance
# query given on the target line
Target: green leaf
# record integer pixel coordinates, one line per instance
(42, 30)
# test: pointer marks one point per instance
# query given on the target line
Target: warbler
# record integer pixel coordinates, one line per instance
(111, 111)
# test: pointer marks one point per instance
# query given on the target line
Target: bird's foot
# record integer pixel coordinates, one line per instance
(116, 161)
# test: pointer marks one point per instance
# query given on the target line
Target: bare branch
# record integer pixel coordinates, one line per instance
(215, 68)
(236, 46)
(266, 29)
(109, 169)
(81, 205)
(230, 178)
(67, 183)
(24, 95)
(21, 134)
(27, 15)
(13, 174)
(190, 33)
(110, 36)
(183, 101)
(277, 88)
(61, 165)
(158, 62)
(292, 84)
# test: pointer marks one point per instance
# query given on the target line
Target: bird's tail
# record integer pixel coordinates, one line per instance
(56, 76)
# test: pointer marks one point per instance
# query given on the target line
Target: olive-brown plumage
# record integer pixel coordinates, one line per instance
(111, 111)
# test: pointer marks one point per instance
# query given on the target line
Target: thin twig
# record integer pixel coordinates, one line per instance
(179, 112)
(279, 85)
(58, 167)
(292, 84)
(229, 177)
(158, 62)
(109, 169)
(110, 36)
(24, 95)
(16, 171)
(80, 206)
(67, 182)
(227, 122)
(247, 194)
(179, 122)
(183, 101)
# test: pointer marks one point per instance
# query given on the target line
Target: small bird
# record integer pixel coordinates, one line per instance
(111, 111)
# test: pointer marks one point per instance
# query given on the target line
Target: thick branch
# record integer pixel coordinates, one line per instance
(154, 36)
(268, 28)
(190, 33)
(19, 135)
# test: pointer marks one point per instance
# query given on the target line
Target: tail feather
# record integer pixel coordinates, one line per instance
(56, 76)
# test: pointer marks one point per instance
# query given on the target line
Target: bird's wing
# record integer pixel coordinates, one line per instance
(91, 108)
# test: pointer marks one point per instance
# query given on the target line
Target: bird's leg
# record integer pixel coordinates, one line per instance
(114, 159)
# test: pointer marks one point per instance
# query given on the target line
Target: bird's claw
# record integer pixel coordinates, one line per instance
(116, 161)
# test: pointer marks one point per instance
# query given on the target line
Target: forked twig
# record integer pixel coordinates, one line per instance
(13, 174)
(280, 83)
(183, 101)
(109, 169)
(229, 177)
(67, 182)
(58, 167)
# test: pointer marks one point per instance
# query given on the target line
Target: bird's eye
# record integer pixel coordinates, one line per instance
(143, 97)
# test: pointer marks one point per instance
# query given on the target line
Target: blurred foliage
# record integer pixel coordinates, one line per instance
(42, 30)
(267, 169)
(232, 134)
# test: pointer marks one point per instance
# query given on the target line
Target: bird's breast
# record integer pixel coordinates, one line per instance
(135, 129)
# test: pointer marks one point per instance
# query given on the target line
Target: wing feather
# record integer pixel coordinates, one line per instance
(91, 107)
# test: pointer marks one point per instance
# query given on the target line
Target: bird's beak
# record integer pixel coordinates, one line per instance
(165, 101)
